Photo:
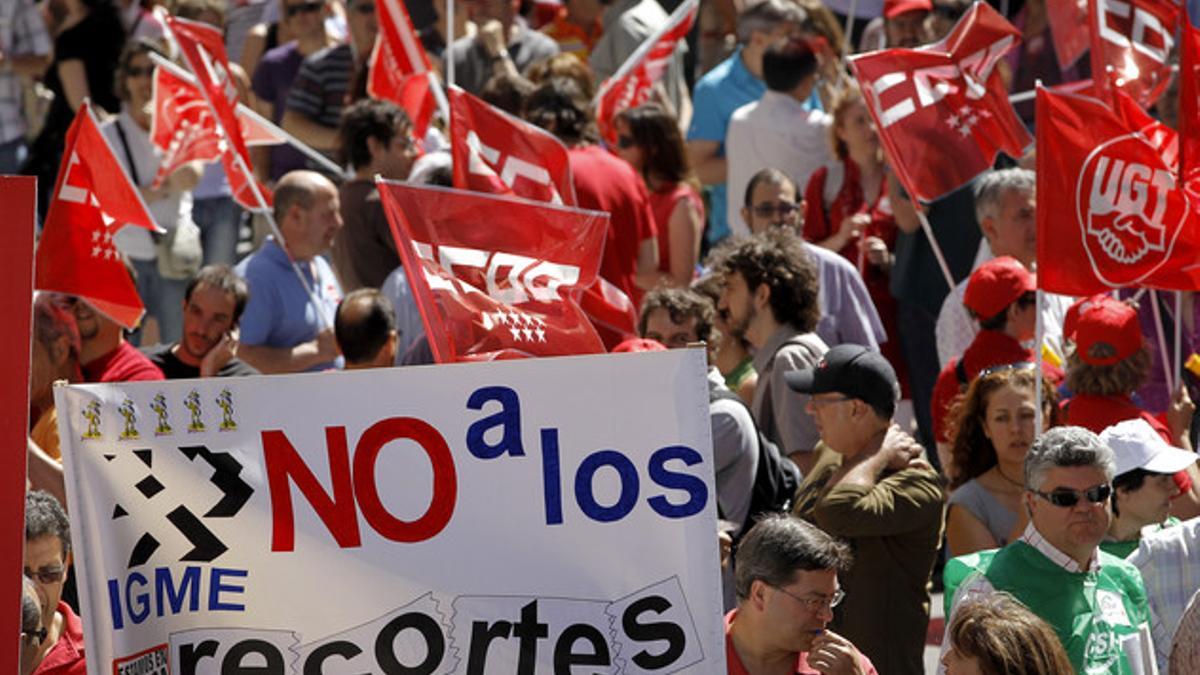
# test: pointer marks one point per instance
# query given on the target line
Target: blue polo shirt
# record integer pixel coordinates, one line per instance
(279, 313)
(722, 90)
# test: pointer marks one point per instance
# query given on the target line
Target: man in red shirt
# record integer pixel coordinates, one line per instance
(786, 576)
(1001, 294)
(105, 355)
(47, 559)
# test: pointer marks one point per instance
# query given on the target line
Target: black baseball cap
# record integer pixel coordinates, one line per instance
(853, 371)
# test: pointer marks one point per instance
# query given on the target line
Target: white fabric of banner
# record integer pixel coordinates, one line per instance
(536, 516)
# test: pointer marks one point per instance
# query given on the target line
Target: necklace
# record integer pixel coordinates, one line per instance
(1009, 480)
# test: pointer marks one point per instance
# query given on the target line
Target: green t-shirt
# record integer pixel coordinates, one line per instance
(1100, 617)
(1124, 549)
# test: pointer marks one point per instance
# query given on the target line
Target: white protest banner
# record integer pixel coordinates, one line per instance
(548, 516)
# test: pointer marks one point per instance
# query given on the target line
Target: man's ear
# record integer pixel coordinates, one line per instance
(987, 225)
(60, 350)
(762, 296)
(758, 594)
(375, 147)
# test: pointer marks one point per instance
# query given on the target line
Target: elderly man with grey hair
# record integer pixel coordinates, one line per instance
(1095, 602)
(786, 576)
(1006, 208)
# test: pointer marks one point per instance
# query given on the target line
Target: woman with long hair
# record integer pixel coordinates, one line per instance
(847, 210)
(996, 635)
(648, 138)
(993, 427)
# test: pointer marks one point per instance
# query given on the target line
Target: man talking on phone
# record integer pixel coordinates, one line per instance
(212, 305)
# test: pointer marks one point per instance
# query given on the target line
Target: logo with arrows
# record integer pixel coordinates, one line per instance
(224, 472)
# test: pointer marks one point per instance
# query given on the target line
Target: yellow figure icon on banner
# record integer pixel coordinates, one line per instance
(159, 406)
(192, 403)
(129, 412)
(225, 400)
(91, 413)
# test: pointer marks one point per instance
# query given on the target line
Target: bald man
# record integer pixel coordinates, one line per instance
(366, 330)
(281, 330)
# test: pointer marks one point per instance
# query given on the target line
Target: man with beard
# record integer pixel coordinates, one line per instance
(212, 305)
(1095, 602)
(105, 355)
(770, 300)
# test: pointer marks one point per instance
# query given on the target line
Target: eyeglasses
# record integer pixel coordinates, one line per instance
(304, 8)
(35, 636)
(134, 71)
(1066, 498)
(818, 603)
(625, 142)
(766, 210)
(1022, 365)
(46, 576)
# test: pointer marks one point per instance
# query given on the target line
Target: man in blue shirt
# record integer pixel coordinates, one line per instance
(730, 85)
(282, 331)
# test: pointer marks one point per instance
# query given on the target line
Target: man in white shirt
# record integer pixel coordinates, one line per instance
(777, 130)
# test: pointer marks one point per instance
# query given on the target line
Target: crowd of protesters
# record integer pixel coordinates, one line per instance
(753, 211)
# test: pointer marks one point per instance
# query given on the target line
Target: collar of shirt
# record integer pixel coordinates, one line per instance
(1035, 539)
(763, 356)
(733, 662)
(69, 647)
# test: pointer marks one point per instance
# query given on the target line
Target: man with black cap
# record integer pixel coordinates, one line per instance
(880, 496)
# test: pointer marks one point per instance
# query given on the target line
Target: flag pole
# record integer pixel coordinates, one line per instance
(1038, 359)
(632, 60)
(850, 19)
(941, 261)
(242, 108)
(1178, 335)
(240, 163)
(449, 62)
(1163, 356)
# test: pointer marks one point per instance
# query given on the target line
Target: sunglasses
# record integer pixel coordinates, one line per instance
(1023, 365)
(766, 210)
(1066, 498)
(134, 71)
(304, 8)
(625, 142)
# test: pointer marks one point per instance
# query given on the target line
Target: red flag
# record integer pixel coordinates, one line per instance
(204, 50)
(182, 126)
(510, 288)
(1068, 21)
(92, 199)
(1189, 107)
(1110, 214)
(498, 153)
(630, 86)
(1131, 40)
(399, 68)
(942, 110)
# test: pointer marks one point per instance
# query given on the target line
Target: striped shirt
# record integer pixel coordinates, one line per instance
(1170, 564)
(322, 84)
(22, 33)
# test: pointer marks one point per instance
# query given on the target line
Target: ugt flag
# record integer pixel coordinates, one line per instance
(498, 153)
(92, 199)
(399, 69)
(496, 276)
(1131, 41)
(1110, 211)
(942, 110)
(630, 86)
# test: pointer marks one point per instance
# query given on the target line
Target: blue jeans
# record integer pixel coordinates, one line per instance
(217, 218)
(163, 299)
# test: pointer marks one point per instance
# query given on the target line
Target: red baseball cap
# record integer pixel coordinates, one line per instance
(996, 285)
(1071, 318)
(1106, 331)
(894, 8)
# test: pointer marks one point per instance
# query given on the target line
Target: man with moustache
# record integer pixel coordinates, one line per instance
(1095, 602)
(212, 306)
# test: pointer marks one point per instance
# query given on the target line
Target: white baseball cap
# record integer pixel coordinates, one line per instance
(1138, 446)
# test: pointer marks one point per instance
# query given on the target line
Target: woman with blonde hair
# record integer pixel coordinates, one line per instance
(997, 635)
(993, 428)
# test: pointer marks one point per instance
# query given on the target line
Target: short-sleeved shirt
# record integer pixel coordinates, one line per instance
(1097, 413)
(473, 66)
(847, 314)
(364, 252)
(996, 517)
(67, 656)
(778, 410)
(321, 84)
(604, 182)
(734, 665)
(279, 313)
(272, 81)
(173, 368)
(722, 90)
(123, 364)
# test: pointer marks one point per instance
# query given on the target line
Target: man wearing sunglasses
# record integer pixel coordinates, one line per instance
(786, 575)
(59, 650)
(1095, 602)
